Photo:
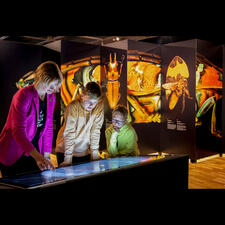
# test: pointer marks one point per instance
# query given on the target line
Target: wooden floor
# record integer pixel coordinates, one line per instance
(208, 173)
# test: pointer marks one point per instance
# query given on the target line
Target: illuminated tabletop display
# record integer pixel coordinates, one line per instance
(48, 177)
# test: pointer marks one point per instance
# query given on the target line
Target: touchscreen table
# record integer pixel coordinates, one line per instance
(48, 177)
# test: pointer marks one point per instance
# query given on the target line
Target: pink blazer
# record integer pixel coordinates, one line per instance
(21, 126)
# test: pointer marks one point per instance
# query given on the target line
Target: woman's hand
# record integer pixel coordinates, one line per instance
(41, 161)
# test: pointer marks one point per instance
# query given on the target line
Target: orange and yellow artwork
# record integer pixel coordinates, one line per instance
(143, 89)
(113, 84)
(76, 75)
(176, 85)
(208, 92)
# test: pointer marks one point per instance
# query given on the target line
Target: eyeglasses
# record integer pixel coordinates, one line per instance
(120, 122)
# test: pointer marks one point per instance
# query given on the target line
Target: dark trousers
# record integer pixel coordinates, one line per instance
(25, 164)
(75, 160)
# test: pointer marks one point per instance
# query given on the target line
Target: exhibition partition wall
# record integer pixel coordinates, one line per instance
(209, 96)
(144, 76)
(207, 80)
(113, 82)
(223, 106)
(178, 100)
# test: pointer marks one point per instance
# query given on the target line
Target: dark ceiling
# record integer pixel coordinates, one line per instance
(103, 40)
(42, 40)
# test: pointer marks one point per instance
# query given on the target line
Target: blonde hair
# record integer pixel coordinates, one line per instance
(47, 72)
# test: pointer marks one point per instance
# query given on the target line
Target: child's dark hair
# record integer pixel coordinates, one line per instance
(121, 109)
(92, 89)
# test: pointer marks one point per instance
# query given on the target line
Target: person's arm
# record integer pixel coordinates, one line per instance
(47, 137)
(111, 141)
(41, 161)
(20, 105)
(69, 134)
(108, 133)
(96, 132)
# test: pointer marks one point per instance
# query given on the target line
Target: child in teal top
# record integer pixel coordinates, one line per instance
(121, 138)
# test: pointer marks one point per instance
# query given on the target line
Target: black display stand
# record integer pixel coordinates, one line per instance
(166, 174)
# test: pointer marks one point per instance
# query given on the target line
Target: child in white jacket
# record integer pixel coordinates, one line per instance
(78, 138)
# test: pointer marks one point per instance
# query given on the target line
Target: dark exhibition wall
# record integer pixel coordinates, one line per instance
(208, 93)
(144, 93)
(173, 92)
(178, 100)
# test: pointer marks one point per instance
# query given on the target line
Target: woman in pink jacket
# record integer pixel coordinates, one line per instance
(26, 139)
